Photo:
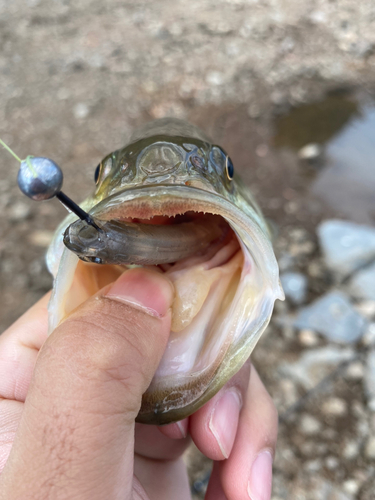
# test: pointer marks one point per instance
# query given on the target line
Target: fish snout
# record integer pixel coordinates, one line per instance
(160, 159)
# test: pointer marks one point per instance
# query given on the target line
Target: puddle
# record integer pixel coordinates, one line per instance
(317, 122)
(346, 130)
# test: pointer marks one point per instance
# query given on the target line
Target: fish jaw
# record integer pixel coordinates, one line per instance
(171, 395)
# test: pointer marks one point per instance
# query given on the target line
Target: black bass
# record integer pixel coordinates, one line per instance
(171, 199)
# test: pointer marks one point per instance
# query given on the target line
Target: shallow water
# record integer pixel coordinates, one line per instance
(345, 129)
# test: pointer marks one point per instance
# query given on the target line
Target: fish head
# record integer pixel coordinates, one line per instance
(166, 152)
(223, 297)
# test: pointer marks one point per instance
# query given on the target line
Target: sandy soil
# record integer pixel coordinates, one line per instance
(76, 77)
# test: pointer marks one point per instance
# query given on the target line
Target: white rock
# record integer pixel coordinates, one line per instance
(308, 338)
(41, 238)
(332, 462)
(370, 448)
(346, 246)
(362, 284)
(310, 152)
(333, 316)
(313, 465)
(309, 425)
(81, 110)
(335, 406)
(215, 78)
(295, 286)
(351, 486)
(366, 308)
(355, 371)
(289, 392)
(19, 211)
(370, 379)
(351, 449)
(368, 338)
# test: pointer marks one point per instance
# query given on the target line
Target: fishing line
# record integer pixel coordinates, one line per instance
(41, 179)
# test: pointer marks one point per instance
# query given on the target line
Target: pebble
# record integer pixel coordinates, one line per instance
(19, 211)
(355, 371)
(295, 287)
(333, 316)
(323, 490)
(315, 364)
(368, 338)
(316, 269)
(81, 110)
(308, 338)
(370, 379)
(289, 392)
(301, 248)
(366, 308)
(313, 465)
(370, 448)
(346, 246)
(309, 425)
(310, 153)
(332, 462)
(362, 284)
(41, 238)
(215, 78)
(335, 407)
(351, 450)
(351, 486)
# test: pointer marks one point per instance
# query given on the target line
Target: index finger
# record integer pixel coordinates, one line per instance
(19, 347)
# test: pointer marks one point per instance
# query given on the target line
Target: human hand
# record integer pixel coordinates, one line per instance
(72, 437)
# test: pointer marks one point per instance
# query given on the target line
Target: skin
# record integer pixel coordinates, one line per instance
(68, 407)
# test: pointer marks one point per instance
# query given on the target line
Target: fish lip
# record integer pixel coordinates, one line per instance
(249, 227)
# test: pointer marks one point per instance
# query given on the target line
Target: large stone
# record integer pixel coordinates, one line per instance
(370, 379)
(334, 317)
(346, 246)
(362, 284)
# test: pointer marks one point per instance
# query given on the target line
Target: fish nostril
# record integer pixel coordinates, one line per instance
(197, 161)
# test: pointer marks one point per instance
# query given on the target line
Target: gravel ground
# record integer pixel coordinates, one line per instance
(77, 77)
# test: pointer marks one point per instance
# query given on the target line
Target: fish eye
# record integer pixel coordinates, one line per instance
(222, 162)
(97, 172)
(229, 168)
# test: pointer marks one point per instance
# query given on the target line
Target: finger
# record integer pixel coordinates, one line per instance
(10, 414)
(77, 429)
(248, 471)
(162, 479)
(214, 427)
(178, 430)
(151, 443)
(19, 347)
(214, 488)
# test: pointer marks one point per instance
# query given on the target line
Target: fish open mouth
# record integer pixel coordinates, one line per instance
(224, 294)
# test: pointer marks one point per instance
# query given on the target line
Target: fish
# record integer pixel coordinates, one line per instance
(170, 180)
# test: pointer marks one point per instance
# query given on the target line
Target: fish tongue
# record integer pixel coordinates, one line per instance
(192, 287)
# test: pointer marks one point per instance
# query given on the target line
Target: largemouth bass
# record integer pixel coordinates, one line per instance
(167, 184)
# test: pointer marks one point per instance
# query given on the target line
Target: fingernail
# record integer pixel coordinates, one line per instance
(260, 484)
(224, 420)
(182, 427)
(143, 289)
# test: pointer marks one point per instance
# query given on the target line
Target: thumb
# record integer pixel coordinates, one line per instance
(76, 434)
